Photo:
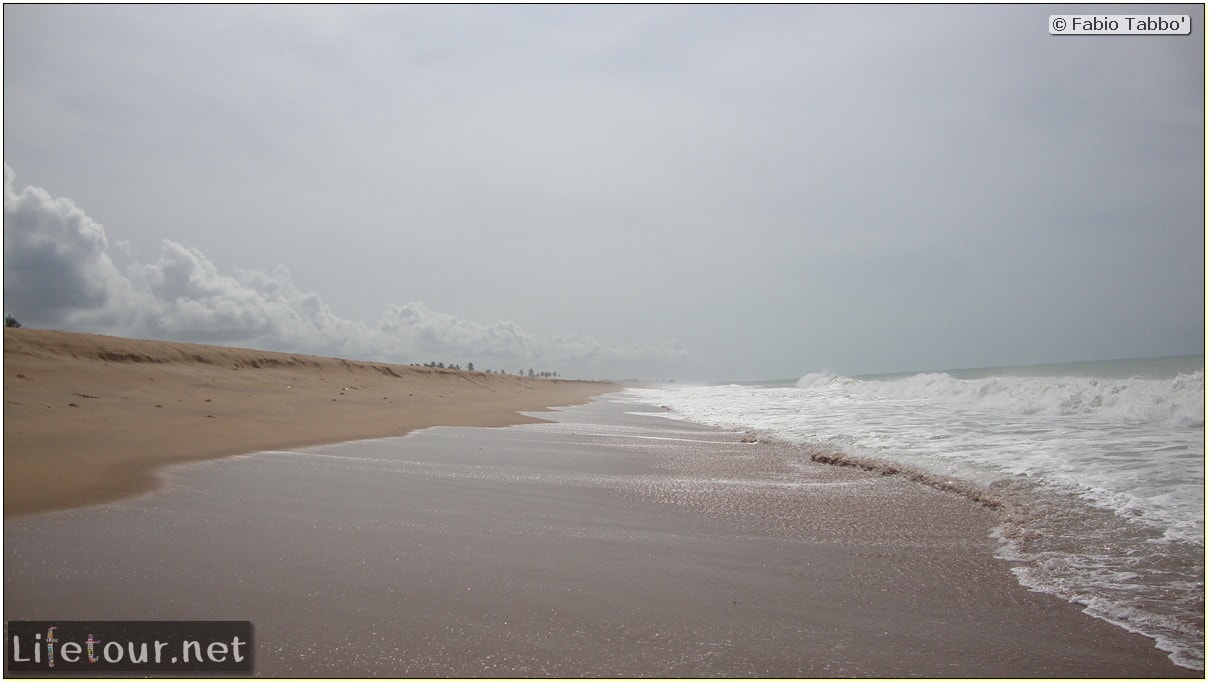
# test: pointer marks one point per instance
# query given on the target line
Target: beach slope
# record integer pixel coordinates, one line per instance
(89, 418)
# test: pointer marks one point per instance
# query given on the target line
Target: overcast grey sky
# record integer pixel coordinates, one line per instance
(702, 192)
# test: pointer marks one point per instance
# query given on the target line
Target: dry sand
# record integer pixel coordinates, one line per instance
(89, 419)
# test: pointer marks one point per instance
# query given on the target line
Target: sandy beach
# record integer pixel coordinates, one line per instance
(90, 418)
(601, 545)
(599, 541)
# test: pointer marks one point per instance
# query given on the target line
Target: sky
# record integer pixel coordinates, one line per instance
(704, 193)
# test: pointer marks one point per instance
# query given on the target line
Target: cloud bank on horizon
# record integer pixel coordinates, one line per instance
(727, 192)
(60, 272)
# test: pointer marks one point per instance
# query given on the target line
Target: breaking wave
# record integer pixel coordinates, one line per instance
(1179, 401)
(1097, 470)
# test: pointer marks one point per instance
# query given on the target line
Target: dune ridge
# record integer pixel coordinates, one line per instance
(90, 418)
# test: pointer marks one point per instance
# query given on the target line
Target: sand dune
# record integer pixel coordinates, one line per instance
(89, 418)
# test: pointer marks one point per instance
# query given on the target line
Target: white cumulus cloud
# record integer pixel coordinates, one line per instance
(57, 267)
(58, 272)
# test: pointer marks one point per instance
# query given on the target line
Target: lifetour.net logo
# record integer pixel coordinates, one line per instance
(79, 647)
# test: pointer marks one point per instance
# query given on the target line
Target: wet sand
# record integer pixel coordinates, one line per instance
(604, 544)
(90, 418)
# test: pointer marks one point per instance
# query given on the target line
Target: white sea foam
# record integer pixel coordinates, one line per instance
(1084, 457)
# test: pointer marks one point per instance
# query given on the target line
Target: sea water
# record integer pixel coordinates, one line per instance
(1096, 469)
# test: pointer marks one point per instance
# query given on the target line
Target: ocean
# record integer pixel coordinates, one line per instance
(1096, 470)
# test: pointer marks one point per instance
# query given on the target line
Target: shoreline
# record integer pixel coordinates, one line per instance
(598, 544)
(861, 574)
(90, 419)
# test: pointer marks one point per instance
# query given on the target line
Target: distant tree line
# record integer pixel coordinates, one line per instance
(470, 367)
